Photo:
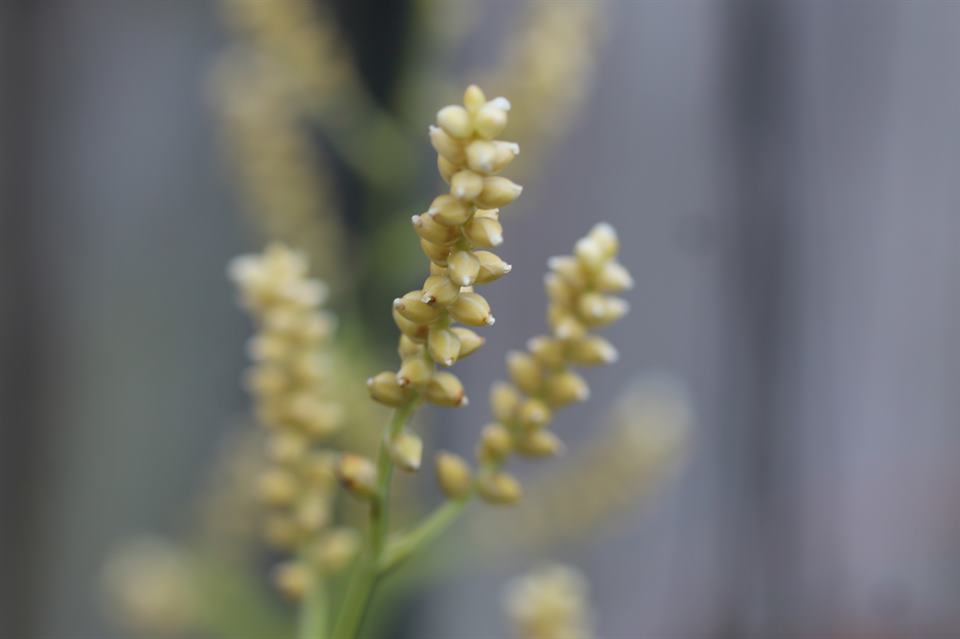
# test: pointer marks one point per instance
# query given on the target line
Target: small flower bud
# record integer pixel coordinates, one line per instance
(505, 154)
(455, 121)
(469, 341)
(439, 290)
(499, 488)
(490, 120)
(436, 252)
(483, 232)
(336, 549)
(539, 443)
(406, 450)
(590, 254)
(320, 468)
(463, 268)
(447, 146)
(446, 168)
(313, 512)
(385, 389)
(414, 372)
(592, 350)
(412, 308)
(495, 441)
(492, 267)
(566, 326)
(445, 389)
(467, 185)
(408, 348)
(472, 309)
(613, 278)
(286, 447)
(266, 380)
(277, 487)
(497, 191)
(504, 400)
(525, 371)
(570, 269)
(282, 532)
(444, 346)
(606, 237)
(533, 414)
(432, 231)
(358, 475)
(549, 351)
(566, 387)
(453, 475)
(558, 290)
(473, 98)
(416, 332)
(481, 156)
(600, 310)
(449, 211)
(292, 579)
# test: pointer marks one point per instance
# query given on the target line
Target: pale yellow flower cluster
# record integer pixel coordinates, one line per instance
(580, 290)
(288, 382)
(550, 603)
(455, 233)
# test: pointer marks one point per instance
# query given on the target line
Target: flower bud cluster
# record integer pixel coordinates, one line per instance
(455, 233)
(550, 603)
(288, 382)
(542, 379)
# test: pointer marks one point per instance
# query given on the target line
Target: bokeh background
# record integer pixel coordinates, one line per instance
(784, 176)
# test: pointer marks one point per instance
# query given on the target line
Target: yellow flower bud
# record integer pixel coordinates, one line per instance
(313, 512)
(469, 341)
(463, 268)
(320, 468)
(599, 310)
(406, 450)
(445, 145)
(496, 441)
(439, 290)
(449, 211)
(569, 269)
(282, 532)
(445, 389)
(286, 447)
(606, 237)
(455, 121)
(499, 488)
(414, 372)
(490, 119)
(453, 475)
(549, 351)
(613, 278)
(385, 389)
(408, 348)
(497, 191)
(336, 549)
(444, 346)
(446, 168)
(483, 231)
(436, 252)
(268, 348)
(481, 156)
(504, 401)
(566, 387)
(590, 254)
(473, 98)
(467, 185)
(505, 152)
(566, 326)
(277, 487)
(525, 371)
(533, 414)
(539, 443)
(472, 309)
(292, 579)
(432, 231)
(416, 332)
(558, 290)
(266, 380)
(357, 475)
(412, 308)
(491, 267)
(592, 350)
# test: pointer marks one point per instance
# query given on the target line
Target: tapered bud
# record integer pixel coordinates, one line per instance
(566, 387)
(446, 168)
(447, 146)
(414, 309)
(592, 350)
(406, 450)
(558, 290)
(449, 211)
(292, 579)
(504, 401)
(439, 290)
(490, 119)
(277, 487)
(416, 332)
(463, 268)
(408, 348)
(533, 414)
(455, 121)
(357, 475)
(414, 372)
(473, 98)
(495, 441)
(335, 550)
(472, 309)
(436, 252)
(313, 512)
(589, 254)
(613, 278)
(484, 232)
(445, 389)
(525, 371)
(444, 346)
(481, 156)
(505, 152)
(466, 185)
(469, 341)
(569, 268)
(565, 326)
(499, 488)
(385, 389)
(599, 310)
(317, 417)
(453, 475)
(432, 231)
(606, 237)
(539, 443)
(285, 447)
(549, 351)
(497, 191)
(492, 267)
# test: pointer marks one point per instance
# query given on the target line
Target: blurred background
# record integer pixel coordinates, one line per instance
(784, 177)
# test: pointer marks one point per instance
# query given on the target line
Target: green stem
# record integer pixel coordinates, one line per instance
(426, 531)
(313, 612)
(367, 573)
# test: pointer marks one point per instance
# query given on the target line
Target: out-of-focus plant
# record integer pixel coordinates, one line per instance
(549, 603)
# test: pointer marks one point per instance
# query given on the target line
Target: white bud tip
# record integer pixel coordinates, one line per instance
(403, 382)
(507, 268)
(459, 192)
(555, 261)
(369, 381)
(605, 227)
(584, 394)
(428, 299)
(448, 361)
(463, 401)
(398, 303)
(496, 239)
(501, 103)
(611, 356)
(432, 129)
(490, 320)
(415, 219)
(464, 281)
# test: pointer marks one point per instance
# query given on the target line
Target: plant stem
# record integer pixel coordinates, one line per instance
(313, 612)
(426, 531)
(365, 575)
